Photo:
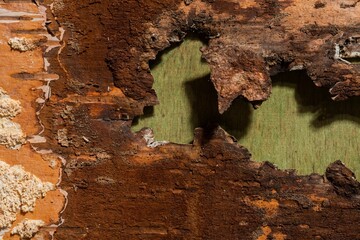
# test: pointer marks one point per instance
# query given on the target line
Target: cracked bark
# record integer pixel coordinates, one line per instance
(119, 188)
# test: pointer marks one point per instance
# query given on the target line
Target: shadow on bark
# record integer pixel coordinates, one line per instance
(202, 100)
(236, 120)
(204, 110)
(318, 100)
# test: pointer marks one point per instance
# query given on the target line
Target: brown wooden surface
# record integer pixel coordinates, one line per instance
(120, 188)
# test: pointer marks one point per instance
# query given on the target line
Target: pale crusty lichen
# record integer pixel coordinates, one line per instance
(11, 134)
(21, 44)
(9, 107)
(19, 191)
(26, 229)
(148, 135)
(62, 137)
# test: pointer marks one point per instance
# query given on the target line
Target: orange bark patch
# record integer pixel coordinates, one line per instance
(266, 231)
(270, 207)
(279, 236)
(23, 77)
(318, 201)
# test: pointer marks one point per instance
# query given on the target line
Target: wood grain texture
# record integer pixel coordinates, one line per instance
(180, 78)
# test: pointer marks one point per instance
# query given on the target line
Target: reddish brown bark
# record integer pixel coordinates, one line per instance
(119, 188)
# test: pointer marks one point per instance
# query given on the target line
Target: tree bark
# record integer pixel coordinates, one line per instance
(125, 185)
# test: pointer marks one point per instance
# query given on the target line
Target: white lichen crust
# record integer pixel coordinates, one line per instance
(19, 191)
(148, 135)
(62, 137)
(21, 44)
(9, 107)
(11, 134)
(27, 228)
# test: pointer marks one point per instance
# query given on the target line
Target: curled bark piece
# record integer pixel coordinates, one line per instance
(237, 71)
(343, 179)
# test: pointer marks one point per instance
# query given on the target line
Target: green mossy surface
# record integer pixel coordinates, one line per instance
(298, 127)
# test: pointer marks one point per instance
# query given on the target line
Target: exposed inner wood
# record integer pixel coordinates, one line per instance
(187, 98)
(298, 127)
(123, 185)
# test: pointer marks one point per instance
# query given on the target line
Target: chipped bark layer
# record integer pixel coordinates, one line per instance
(29, 176)
(248, 41)
(121, 188)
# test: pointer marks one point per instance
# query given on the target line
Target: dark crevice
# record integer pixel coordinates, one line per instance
(204, 110)
(345, 5)
(353, 60)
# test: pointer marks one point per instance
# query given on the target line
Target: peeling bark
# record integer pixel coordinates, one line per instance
(120, 188)
(247, 43)
(29, 176)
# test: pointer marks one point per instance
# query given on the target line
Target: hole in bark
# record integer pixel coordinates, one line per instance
(172, 70)
(301, 128)
(187, 96)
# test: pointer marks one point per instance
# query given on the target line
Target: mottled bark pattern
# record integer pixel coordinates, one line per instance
(119, 188)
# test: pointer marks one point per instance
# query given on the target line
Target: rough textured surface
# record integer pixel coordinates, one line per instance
(9, 107)
(24, 84)
(21, 44)
(247, 42)
(213, 191)
(27, 228)
(119, 188)
(18, 191)
(11, 134)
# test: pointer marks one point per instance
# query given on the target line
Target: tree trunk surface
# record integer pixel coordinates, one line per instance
(116, 184)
